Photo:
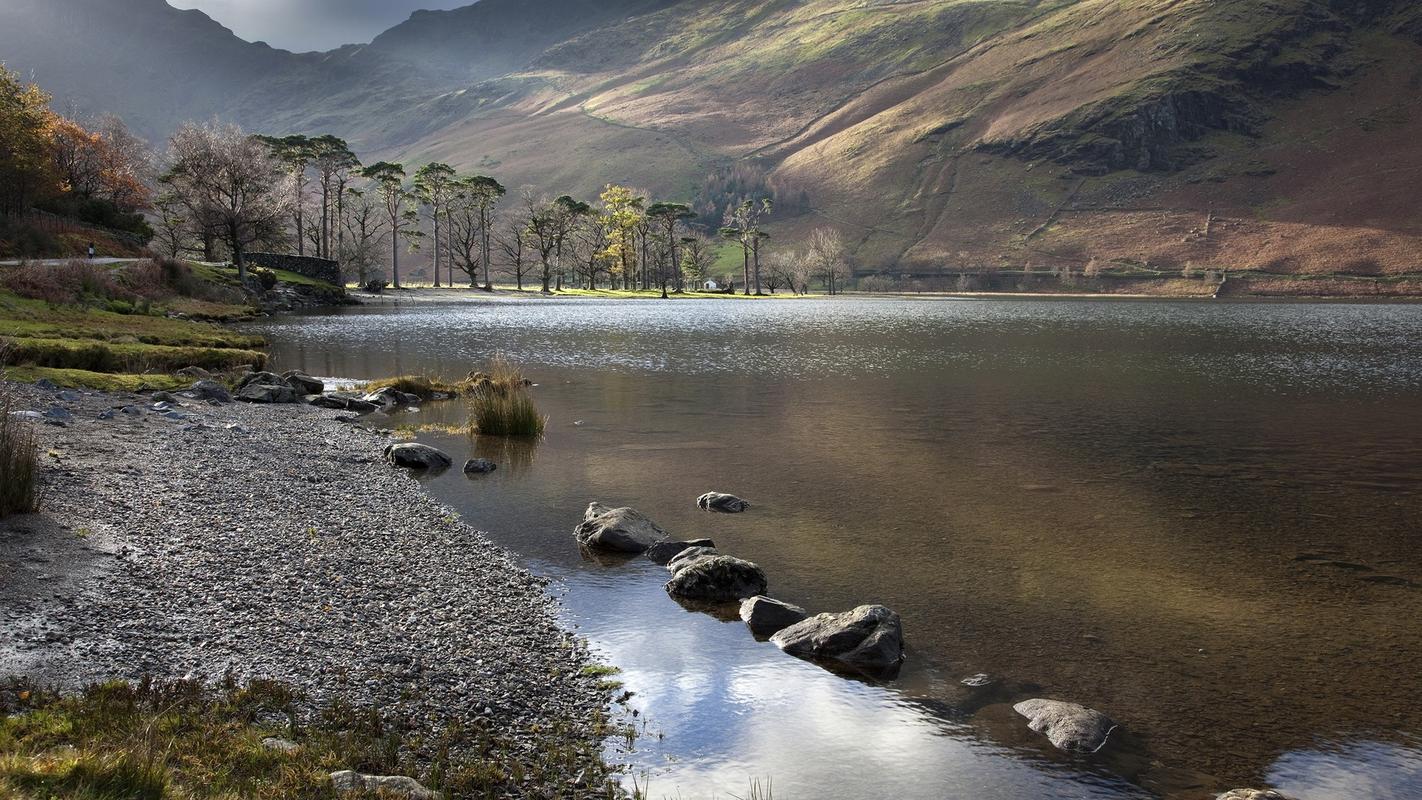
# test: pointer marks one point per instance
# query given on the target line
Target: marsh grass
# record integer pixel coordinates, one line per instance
(154, 740)
(500, 403)
(19, 457)
(423, 386)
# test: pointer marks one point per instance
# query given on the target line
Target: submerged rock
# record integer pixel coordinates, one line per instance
(766, 616)
(717, 579)
(724, 503)
(1070, 727)
(479, 466)
(869, 637)
(350, 782)
(1254, 794)
(411, 455)
(663, 552)
(625, 530)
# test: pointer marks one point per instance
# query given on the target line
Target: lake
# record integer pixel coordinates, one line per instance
(1202, 519)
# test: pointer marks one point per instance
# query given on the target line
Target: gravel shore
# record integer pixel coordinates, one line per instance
(274, 542)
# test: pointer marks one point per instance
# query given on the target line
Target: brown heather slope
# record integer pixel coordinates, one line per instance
(940, 135)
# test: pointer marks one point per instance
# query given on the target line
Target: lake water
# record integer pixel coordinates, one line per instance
(1201, 519)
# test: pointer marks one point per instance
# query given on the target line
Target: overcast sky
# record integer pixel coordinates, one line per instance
(302, 25)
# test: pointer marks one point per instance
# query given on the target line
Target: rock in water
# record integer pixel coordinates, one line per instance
(1253, 794)
(663, 552)
(349, 782)
(625, 530)
(1070, 727)
(267, 393)
(717, 579)
(479, 466)
(210, 390)
(767, 617)
(869, 637)
(417, 456)
(690, 556)
(304, 383)
(724, 503)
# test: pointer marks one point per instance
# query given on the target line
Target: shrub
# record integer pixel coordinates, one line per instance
(266, 278)
(500, 404)
(19, 458)
(376, 286)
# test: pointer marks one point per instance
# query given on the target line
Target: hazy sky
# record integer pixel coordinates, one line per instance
(312, 24)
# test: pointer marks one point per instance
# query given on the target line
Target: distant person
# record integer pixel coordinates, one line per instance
(91, 251)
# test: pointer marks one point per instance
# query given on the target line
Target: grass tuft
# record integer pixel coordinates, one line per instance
(423, 386)
(19, 458)
(500, 403)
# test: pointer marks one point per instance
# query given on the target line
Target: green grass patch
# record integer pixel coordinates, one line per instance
(500, 404)
(36, 319)
(96, 356)
(151, 740)
(100, 381)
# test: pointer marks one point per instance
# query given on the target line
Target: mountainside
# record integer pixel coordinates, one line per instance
(938, 134)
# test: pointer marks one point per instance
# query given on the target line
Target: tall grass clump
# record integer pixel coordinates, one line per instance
(500, 403)
(19, 457)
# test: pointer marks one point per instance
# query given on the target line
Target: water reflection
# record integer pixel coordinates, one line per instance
(1350, 770)
(1193, 517)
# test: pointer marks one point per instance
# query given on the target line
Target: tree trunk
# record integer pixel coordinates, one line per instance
(436, 248)
(745, 266)
(756, 253)
(395, 260)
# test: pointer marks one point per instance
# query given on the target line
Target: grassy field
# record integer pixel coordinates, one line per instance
(123, 326)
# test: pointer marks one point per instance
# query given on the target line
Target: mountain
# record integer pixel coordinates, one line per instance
(1264, 134)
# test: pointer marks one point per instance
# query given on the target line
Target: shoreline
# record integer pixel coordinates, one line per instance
(273, 542)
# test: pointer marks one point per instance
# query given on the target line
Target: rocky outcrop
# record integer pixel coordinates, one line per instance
(716, 579)
(663, 552)
(766, 617)
(868, 638)
(268, 393)
(411, 455)
(625, 530)
(304, 383)
(1068, 726)
(210, 390)
(351, 782)
(1254, 794)
(724, 503)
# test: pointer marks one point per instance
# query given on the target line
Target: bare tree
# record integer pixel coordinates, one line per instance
(828, 257)
(362, 235)
(512, 240)
(231, 181)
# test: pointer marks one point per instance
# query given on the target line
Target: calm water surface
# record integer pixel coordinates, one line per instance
(1202, 519)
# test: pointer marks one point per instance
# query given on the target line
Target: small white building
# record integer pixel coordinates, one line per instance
(712, 286)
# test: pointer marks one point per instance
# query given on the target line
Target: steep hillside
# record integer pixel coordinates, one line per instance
(940, 134)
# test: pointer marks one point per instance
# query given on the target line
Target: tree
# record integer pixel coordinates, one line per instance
(26, 166)
(541, 227)
(742, 225)
(485, 192)
(362, 233)
(435, 184)
(621, 214)
(697, 257)
(827, 257)
(334, 163)
(296, 153)
(174, 231)
(230, 181)
(389, 180)
(665, 218)
(567, 215)
(512, 242)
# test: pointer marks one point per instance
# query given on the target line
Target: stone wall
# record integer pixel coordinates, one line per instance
(320, 269)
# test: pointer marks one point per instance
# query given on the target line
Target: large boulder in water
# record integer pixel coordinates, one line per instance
(411, 455)
(690, 556)
(1070, 727)
(766, 617)
(724, 503)
(716, 579)
(663, 552)
(625, 530)
(868, 638)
